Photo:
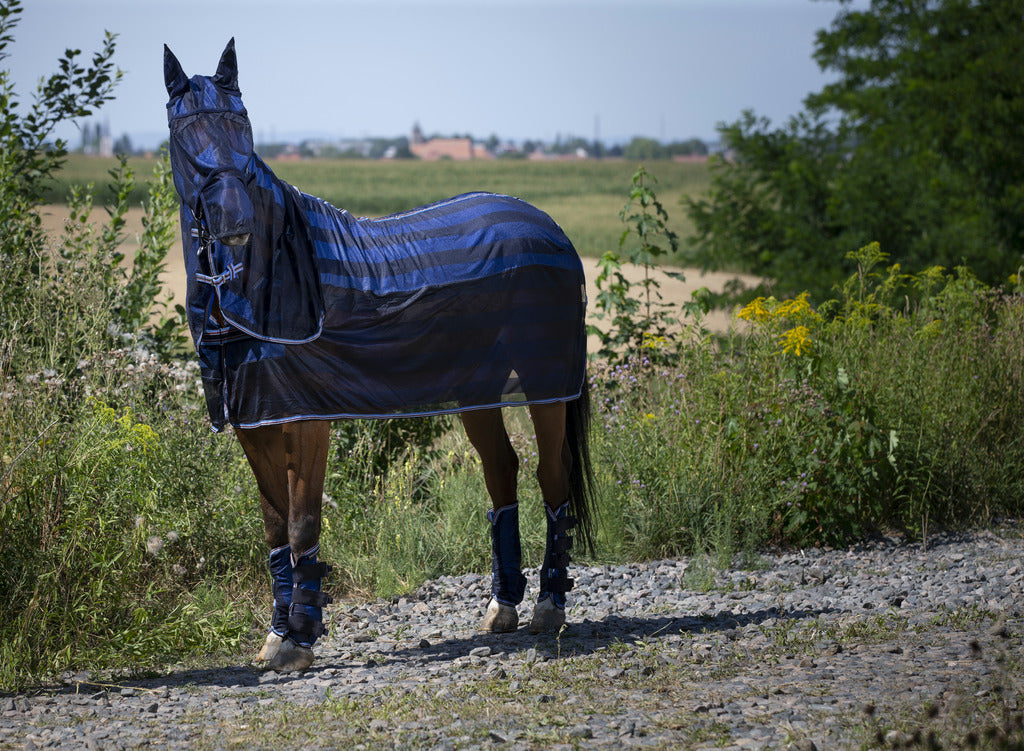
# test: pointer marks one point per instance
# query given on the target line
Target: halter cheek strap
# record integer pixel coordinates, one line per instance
(202, 234)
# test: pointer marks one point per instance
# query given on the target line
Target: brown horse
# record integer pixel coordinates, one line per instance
(302, 314)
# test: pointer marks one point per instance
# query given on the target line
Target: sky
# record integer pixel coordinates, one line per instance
(520, 69)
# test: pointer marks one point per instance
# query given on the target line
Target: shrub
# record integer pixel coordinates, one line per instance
(126, 537)
(813, 428)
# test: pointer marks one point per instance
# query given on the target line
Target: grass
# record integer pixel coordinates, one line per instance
(583, 197)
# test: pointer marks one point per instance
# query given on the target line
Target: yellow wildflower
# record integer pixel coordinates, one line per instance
(756, 310)
(796, 341)
(650, 341)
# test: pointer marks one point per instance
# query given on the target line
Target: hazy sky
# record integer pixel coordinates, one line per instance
(667, 69)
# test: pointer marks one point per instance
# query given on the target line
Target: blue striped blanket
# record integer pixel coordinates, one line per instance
(476, 301)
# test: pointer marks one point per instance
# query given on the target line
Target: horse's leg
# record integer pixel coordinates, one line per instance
(264, 448)
(486, 431)
(289, 462)
(554, 464)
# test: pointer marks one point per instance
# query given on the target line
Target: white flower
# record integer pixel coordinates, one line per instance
(154, 545)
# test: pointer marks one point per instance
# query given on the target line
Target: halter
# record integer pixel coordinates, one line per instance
(202, 233)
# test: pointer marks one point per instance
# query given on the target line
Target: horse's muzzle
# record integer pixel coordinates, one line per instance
(227, 209)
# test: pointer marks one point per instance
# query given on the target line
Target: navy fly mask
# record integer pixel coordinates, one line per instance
(301, 311)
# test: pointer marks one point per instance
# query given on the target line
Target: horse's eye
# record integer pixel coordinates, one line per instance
(236, 239)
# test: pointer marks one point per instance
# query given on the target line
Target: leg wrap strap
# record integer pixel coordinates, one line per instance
(280, 565)
(310, 597)
(310, 572)
(305, 617)
(554, 575)
(508, 585)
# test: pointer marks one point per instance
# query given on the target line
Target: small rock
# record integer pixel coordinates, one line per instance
(895, 738)
(480, 652)
(999, 629)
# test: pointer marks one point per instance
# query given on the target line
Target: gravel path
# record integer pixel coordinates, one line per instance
(882, 645)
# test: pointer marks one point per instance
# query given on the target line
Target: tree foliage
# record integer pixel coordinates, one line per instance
(29, 156)
(916, 144)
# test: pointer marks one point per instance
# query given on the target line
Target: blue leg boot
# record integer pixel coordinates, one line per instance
(549, 615)
(305, 613)
(280, 564)
(507, 581)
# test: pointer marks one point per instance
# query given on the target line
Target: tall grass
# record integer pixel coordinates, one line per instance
(129, 534)
(896, 408)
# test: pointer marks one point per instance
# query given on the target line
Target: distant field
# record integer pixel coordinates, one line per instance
(583, 197)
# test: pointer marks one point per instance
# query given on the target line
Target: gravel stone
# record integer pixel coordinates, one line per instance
(807, 650)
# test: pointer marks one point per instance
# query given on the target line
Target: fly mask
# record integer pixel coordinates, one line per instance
(249, 260)
(211, 147)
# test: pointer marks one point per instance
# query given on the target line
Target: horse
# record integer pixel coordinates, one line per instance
(302, 314)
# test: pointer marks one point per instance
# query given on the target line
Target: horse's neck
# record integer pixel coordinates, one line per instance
(305, 202)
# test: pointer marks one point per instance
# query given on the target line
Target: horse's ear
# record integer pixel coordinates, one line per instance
(174, 77)
(227, 70)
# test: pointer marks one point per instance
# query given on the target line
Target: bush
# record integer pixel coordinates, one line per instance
(822, 427)
(126, 537)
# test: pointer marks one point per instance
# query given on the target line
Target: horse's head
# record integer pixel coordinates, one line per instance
(211, 146)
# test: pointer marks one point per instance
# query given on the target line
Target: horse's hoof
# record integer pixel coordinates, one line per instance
(499, 619)
(290, 658)
(547, 618)
(270, 647)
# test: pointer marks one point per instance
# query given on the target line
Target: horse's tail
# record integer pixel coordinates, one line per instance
(581, 476)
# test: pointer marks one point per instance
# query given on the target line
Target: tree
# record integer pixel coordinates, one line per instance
(123, 145)
(29, 158)
(916, 145)
(641, 149)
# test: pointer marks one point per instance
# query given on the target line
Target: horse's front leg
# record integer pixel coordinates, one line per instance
(289, 462)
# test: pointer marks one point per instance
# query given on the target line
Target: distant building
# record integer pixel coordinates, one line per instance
(106, 147)
(435, 149)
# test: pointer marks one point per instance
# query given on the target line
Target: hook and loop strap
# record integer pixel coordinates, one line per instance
(217, 280)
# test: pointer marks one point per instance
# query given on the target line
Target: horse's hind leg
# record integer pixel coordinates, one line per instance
(486, 431)
(554, 464)
(289, 462)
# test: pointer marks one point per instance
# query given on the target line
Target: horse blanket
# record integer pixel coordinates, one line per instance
(473, 302)
(477, 301)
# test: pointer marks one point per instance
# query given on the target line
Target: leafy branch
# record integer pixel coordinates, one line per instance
(644, 322)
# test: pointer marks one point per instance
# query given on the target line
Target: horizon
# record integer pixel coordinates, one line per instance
(606, 70)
